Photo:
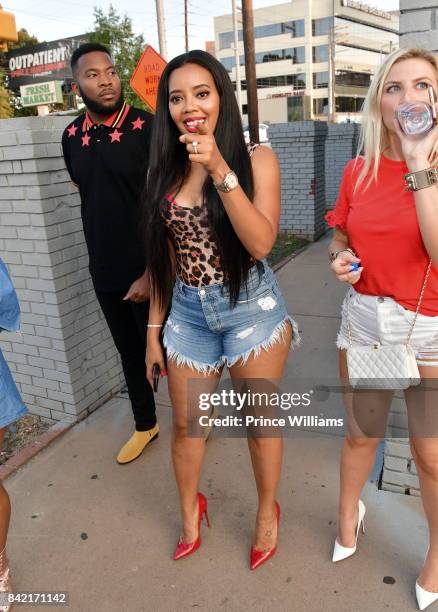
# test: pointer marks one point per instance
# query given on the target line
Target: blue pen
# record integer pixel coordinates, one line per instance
(354, 266)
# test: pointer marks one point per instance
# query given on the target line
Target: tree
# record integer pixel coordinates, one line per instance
(13, 101)
(6, 110)
(24, 40)
(126, 48)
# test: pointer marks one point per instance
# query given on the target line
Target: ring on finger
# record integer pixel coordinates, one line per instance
(195, 147)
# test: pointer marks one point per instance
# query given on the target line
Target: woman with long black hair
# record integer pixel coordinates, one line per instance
(11, 409)
(212, 209)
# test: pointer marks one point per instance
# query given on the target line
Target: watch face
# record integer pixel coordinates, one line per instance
(231, 181)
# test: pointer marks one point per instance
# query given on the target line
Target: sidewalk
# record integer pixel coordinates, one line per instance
(105, 533)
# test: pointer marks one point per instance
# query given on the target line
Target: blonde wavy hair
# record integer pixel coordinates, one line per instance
(373, 137)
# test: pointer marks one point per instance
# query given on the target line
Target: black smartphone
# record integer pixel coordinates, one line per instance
(156, 371)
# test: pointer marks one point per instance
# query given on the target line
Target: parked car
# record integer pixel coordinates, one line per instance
(263, 133)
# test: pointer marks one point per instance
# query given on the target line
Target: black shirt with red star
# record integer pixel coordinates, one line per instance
(108, 163)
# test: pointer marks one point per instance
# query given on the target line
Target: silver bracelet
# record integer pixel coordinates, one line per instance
(154, 325)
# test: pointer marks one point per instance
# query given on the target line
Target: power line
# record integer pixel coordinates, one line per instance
(48, 17)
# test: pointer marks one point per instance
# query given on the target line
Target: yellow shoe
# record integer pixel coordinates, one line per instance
(136, 444)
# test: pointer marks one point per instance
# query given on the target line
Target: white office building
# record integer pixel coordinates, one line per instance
(314, 58)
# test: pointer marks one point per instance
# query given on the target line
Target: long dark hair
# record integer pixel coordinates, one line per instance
(168, 167)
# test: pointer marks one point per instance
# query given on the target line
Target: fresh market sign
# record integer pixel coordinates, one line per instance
(42, 93)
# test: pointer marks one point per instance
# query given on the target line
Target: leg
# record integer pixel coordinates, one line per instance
(5, 514)
(187, 452)
(359, 450)
(131, 344)
(422, 404)
(266, 453)
(5, 507)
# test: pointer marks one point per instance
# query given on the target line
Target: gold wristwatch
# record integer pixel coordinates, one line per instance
(421, 179)
(229, 182)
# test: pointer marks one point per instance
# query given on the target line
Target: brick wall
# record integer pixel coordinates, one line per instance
(419, 24)
(64, 361)
(300, 147)
(340, 147)
(399, 470)
(312, 158)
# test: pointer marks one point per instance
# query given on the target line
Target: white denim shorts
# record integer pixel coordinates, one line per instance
(382, 319)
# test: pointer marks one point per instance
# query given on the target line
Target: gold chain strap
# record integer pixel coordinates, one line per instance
(420, 299)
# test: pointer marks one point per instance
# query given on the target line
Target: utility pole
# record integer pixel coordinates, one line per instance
(237, 56)
(331, 100)
(186, 24)
(250, 69)
(161, 28)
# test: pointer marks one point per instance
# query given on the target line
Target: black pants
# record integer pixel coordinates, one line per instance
(127, 322)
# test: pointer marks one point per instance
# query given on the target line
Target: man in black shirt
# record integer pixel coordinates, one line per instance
(106, 153)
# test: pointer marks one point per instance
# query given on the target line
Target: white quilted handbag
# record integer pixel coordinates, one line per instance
(389, 366)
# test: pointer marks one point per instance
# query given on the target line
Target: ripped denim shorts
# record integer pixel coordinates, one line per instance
(11, 404)
(205, 333)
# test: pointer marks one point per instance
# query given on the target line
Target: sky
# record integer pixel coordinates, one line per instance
(54, 19)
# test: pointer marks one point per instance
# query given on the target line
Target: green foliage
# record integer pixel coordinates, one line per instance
(6, 110)
(24, 40)
(13, 101)
(126, 47)
(285, 245)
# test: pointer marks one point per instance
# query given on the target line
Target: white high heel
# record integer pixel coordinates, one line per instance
(424, 598)
(343, 552)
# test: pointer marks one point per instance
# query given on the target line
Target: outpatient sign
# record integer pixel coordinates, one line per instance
(42, 62)
(42, 93)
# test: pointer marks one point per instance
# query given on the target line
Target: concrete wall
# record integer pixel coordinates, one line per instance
(64, 361)
(419, 24)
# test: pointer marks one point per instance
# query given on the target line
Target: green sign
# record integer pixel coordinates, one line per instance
(41, 93)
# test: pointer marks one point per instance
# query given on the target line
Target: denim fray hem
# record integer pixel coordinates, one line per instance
(183, 361)
(207, 368)
(274, 338)
(342, 342)
(8, 421)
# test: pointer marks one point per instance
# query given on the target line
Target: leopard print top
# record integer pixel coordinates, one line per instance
(197, 255)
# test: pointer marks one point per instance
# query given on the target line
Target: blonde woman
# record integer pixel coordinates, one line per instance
(389, 235)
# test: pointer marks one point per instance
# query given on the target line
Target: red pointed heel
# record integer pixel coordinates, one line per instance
(183, 549)
(258, 557)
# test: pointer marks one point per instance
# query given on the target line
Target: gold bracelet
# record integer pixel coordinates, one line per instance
(154, 325)
(421, 179)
